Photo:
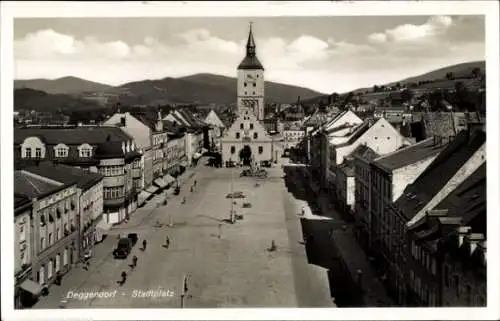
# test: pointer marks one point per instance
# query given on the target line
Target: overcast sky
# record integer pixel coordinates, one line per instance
(326, 54)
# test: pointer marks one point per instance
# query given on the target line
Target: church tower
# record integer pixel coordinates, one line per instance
(251, 81)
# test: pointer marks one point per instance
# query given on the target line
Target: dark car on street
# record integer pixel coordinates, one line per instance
(123, 248)
(134, 238)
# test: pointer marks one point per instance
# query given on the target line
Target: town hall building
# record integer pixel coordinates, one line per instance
(247, 140)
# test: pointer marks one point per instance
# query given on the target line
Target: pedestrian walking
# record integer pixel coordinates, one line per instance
(134, 261)
(124, 277)
(167, 242)
(144, 244)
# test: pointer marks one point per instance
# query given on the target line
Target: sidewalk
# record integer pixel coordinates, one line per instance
(76, 277)
(355, 259)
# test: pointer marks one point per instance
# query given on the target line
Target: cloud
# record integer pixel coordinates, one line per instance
(307, 60)
(434, 27)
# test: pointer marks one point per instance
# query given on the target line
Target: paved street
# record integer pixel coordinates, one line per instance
(234, 270)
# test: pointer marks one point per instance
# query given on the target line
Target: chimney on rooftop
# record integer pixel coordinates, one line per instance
(473, 240)
(462, 232)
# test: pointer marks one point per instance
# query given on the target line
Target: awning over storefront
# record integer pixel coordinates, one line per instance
(151, 189)
(168, 179)
(142, 197)
(31, 287)
(160, 183)
(101, 229)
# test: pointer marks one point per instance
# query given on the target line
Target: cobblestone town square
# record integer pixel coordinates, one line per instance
(227, 265)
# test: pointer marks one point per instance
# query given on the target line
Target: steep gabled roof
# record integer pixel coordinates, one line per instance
(31, 187)
(409, 155)
(439, 172)
(66, 174)
(72, 135)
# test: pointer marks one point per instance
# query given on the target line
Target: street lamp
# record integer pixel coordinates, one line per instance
(231, 214)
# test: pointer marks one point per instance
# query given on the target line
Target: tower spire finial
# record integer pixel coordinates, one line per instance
(250, 42)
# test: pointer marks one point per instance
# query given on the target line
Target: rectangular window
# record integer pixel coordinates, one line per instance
(38, 153)
(241, 126)
(50, 239)
(42, 243)
(237, 135)
(28, 153)
(251, 126)
(255, 135)
(22, 233)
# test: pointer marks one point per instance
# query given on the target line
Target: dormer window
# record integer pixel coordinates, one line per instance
(38, 152)
(85, 151)
(27, 152)
(61, 150)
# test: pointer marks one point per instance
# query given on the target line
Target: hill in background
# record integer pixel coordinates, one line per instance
(443, 78)
(31, 99)
(198, 88)
(65, 85)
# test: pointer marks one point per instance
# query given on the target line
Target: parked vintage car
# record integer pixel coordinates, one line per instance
(123, 248)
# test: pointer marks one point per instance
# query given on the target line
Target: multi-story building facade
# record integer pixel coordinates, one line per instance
(362, 188)
(106, 150)
(292, 134)
(389, 175)
(447, 249)
(380, 137)
(247, 133)
(55, 224)
(459, 160)
(195, 131)
(137, 126)
(217, 129)
(91, 202)
(25, 289)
